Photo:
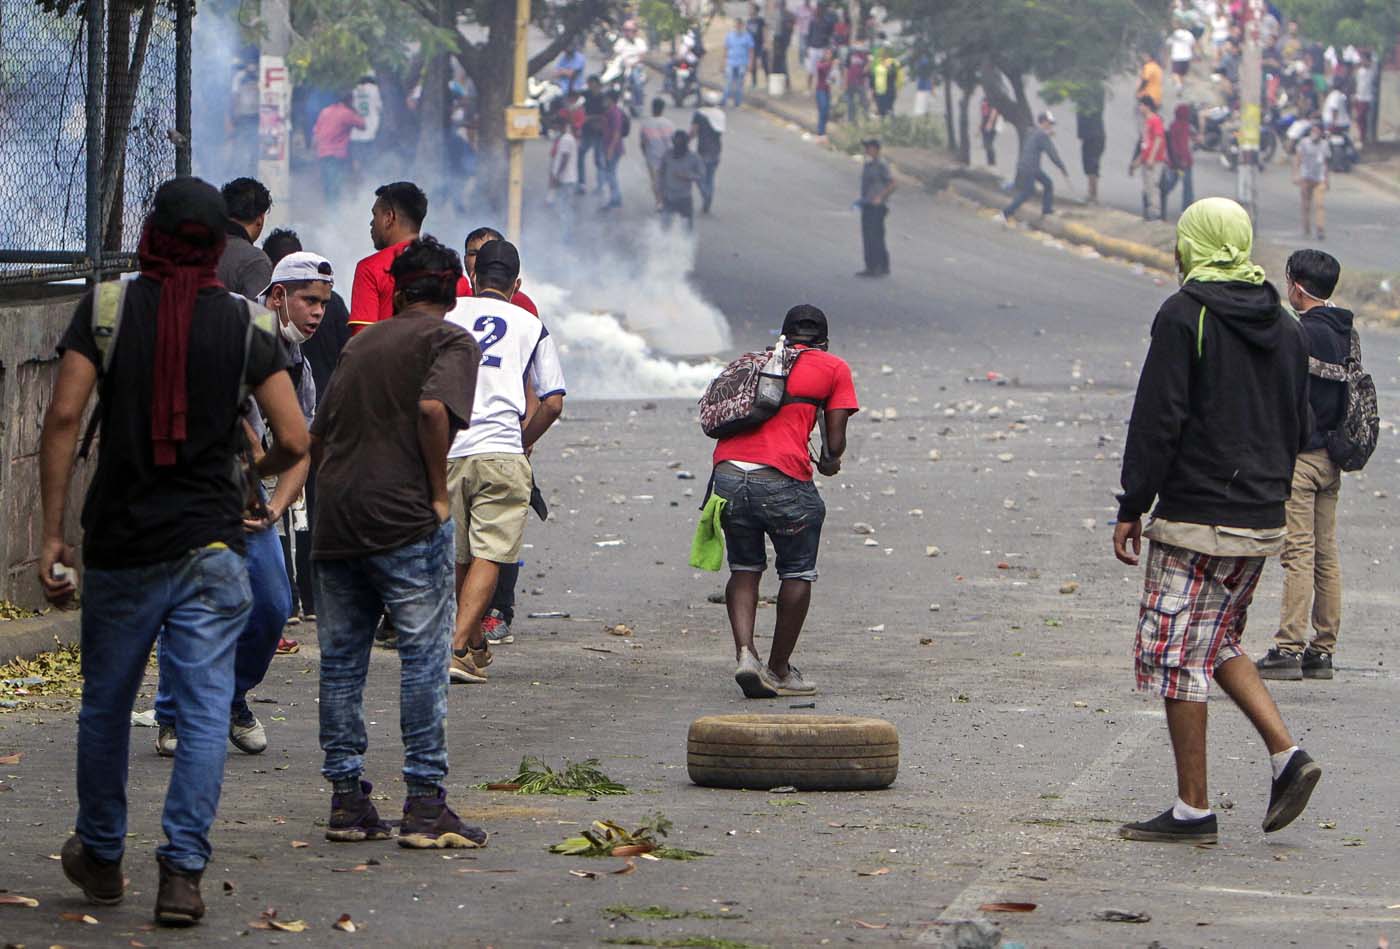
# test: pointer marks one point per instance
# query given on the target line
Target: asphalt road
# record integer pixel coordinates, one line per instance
(1360, 216)
(1023, 744)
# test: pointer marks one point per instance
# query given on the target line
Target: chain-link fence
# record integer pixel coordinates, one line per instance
(91, 129)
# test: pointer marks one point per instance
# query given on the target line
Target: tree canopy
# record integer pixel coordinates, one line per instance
(1374, 23)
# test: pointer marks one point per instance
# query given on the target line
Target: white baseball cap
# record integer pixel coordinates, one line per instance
(299, 266)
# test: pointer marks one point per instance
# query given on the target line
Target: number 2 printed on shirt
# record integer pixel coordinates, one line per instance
(495, 329)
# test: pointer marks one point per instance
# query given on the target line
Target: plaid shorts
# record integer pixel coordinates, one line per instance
(1193, 612)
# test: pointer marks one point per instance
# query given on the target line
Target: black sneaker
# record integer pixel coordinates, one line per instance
(1291, 790)
(1166, 829)
(101, 882)
(178, 902)
(1277, 664)
(1317, 665)
(354, 818)
(429, 823)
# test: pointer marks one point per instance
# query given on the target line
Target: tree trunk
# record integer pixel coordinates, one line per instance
(430, 160)
(948, 121)
(125, 63)
(1014, 108)
(964, 138)
(398, 126)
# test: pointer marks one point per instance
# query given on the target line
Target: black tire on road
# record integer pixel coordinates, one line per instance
(807, 752)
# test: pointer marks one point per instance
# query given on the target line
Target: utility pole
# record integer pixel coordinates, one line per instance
(275, 113)
(1251, 102)
(515, 134)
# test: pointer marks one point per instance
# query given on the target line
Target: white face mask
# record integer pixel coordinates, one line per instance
(290, 332)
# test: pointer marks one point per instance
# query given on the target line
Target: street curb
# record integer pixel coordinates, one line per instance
(1373, 177)
(27, 638)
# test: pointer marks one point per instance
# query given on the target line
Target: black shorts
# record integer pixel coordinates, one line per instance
(1090, 152)
(769, 504)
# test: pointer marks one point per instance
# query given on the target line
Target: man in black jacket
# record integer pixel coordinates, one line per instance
(1221, 412)
(1312, 577)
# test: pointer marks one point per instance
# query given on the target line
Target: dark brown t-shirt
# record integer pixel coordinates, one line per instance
(372, 492)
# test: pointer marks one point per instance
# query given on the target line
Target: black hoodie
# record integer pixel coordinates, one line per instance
(1328, 329)
(1221, 410)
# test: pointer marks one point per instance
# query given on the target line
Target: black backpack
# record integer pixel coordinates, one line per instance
(1352, 443)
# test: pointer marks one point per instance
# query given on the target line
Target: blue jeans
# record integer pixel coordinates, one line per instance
(1025, 189)
(733, 85)
(609, 172)
(823, 109)
(1188, 190)
(788, 512)
(415, 585)
(707, 183)
(197, 605)
(257, 644)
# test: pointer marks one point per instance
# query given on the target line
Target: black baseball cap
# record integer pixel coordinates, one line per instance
(500, 259)
(188, 202)
(805, 321)
(871, 143)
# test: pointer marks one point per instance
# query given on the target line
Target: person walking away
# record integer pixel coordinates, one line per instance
(923, 86)
(707, 131)
(395, 220)
(563, 174)
(382, 540)
(1182, 45)
(656, 134)
(1181, 142)
(1092, 141)
(1149, 80)
(243, 268)
(738, 57)
(1028, 171)
(489, 476)
(595, 106)
(802, 26)
(244, 116)
(1220, 415)
(331, 138)
(885, 80)
(1312, 574)
(297, 295)
(1150, 162)
(680, 170)
(820, 39)
(764, 474)
(988, 124)
(757, 27)
(1365, 99)
(170, 353)
(370, 105)
(782, 37)
(857, 81)
(615, 124)
(1310, 174)
(825, 64)
(876, 185)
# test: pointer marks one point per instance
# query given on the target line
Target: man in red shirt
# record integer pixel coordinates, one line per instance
(475, 239)
(395, 220)
(1151, 159)
(331, 136)
(765, 476)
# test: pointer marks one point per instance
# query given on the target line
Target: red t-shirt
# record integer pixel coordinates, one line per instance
(1154, 141)
(331, 134)
(782, 440)
(464, 289)
(372, 293)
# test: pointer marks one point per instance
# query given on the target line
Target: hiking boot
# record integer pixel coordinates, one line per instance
(354, 818)
(1317, 665)
(464, 669)
(792, 683)
(178, 902)
(165, 741)
(1277, 664)
(1166, 829)
(101, 882)
(496, 630)
(429, 823)
(247, 733)
(1290, 791)
(752, 677)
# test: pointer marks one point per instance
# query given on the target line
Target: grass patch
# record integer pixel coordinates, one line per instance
(623, 911)
(896, 130)
(702, 942)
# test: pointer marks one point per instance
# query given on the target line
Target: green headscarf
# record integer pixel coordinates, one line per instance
(1214, 238)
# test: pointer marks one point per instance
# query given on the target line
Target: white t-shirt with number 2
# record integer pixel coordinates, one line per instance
(516, 350)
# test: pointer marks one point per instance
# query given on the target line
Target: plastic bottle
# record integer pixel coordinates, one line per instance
(772, 379)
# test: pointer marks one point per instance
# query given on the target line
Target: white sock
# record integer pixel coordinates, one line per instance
(1280, 760)
(1183, 811)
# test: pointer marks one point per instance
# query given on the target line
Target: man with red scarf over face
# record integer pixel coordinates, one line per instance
(162, 527)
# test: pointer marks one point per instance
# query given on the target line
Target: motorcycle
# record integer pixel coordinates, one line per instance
(545, 95)
(681, 82)
(1268, 145)
(1344, 153)
(1213, 128)
(629, 84)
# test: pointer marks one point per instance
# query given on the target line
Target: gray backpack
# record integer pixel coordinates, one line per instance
(1352, 443)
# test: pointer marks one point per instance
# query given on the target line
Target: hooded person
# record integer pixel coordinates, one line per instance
(707, 132)
(1220, 416)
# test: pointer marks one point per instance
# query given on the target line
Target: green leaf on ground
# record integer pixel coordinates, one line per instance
(662, 912)
(608, 839)
(578, 779)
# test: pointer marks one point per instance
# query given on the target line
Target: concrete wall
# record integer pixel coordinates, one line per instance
(29, 332)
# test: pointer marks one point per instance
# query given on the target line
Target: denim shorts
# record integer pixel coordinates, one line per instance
(768, 503)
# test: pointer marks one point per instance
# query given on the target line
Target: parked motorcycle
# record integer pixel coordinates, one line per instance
(682, 83)
(1344, 153)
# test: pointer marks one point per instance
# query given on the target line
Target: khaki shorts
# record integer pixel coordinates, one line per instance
(490, 498)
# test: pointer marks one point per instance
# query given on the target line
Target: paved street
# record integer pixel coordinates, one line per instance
(1023, 744)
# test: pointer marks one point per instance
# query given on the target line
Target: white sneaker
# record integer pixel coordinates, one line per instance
(165, 741)
(1001, 218)
(792, 683)
(753, 678)
(248, 735)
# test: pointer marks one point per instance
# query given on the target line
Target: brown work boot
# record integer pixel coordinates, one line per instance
(178, 902)
(101, 882)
